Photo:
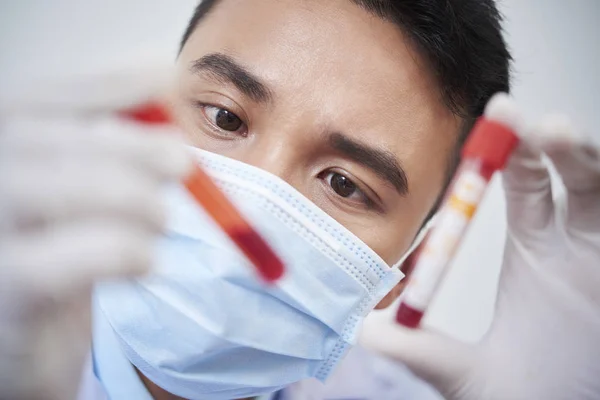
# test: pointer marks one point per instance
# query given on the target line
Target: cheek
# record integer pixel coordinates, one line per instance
(392, 235)
(391, 238)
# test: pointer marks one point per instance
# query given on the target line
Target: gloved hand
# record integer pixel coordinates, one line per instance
(79, 201)
(544, 342)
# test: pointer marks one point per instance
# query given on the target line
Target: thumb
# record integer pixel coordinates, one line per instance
(528, 191)
(440, 360)
(526, 179)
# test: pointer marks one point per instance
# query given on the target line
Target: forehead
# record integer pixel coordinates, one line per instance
(335, 60)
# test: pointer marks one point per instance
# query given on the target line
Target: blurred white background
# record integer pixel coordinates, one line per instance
(557, 58)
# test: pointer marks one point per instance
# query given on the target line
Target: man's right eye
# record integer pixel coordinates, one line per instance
(224, 119)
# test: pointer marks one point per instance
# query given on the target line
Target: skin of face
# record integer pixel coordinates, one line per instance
(330, 98)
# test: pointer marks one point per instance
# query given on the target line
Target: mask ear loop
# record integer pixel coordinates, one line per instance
(417, 242)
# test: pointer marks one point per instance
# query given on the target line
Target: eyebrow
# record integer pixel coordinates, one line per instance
(382, 162)
(227, 70)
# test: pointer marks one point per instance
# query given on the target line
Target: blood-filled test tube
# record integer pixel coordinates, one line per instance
(486, 150)
(208, 195)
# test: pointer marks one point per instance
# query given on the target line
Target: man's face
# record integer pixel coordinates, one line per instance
(328, 97)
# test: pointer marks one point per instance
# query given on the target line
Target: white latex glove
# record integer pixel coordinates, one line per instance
(79, 201)
(544, 342)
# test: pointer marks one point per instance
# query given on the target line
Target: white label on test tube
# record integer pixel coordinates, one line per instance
(443, 241)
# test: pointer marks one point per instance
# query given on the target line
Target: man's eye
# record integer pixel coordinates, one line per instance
(341, 185)
(344, 187)
(223, 119)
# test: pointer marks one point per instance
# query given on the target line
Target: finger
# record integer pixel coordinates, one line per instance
(156, 150)
(526, 180)
(578, 163)
(38, 195)
(528, 191)
(439, 360)
(67, 258)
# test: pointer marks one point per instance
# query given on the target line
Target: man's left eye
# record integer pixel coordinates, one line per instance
(346, 188)
(223, 119)
(341, 185)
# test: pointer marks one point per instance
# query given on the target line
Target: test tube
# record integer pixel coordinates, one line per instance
(208, 195)
(486, 150)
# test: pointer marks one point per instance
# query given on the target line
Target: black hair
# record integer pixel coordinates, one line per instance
(460, 40)
(200, 12)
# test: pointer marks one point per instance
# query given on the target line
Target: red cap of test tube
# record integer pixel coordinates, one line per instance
(491, 142)
(149, 113)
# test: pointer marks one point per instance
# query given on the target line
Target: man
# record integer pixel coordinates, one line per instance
(360, 106)
(343, 100)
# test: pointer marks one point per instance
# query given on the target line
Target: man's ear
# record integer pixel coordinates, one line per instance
(406, 267)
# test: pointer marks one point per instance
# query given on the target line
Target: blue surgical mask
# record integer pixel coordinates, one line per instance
(204, 326)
